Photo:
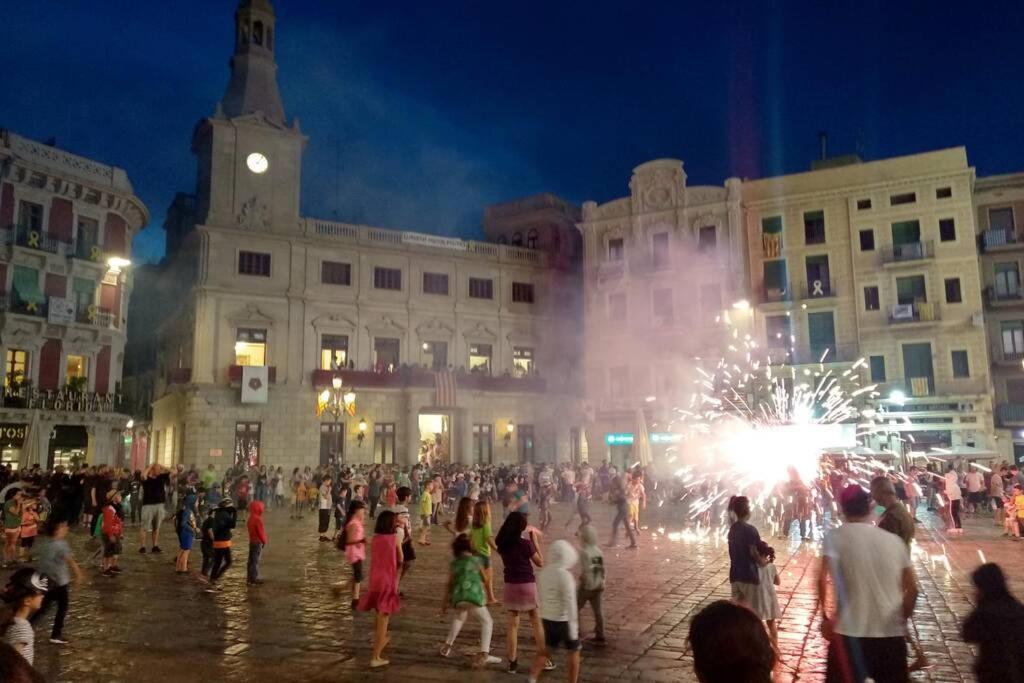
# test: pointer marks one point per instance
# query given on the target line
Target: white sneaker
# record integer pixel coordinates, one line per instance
(491, 659)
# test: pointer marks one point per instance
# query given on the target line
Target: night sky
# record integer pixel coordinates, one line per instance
(420, 114)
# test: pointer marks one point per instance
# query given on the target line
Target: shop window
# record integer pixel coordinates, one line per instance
(17, 367)
(75, 368)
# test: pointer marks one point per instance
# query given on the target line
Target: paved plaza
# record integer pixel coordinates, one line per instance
(150, 625)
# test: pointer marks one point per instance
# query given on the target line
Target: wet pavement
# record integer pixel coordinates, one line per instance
(151, 625)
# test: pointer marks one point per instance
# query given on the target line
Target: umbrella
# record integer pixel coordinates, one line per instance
(641, 444)
(30, 449)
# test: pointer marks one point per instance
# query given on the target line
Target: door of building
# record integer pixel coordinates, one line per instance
(332, 443)
(527, 448)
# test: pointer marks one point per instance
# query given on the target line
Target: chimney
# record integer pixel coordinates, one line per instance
(823, 142)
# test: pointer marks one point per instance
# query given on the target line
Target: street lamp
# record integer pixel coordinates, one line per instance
(336, 403)
(509, 428)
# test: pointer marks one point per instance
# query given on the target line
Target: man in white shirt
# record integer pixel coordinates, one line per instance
(873, 591)
(955, 496)
(975, 483)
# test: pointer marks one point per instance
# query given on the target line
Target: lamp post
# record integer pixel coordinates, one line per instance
(337, 402)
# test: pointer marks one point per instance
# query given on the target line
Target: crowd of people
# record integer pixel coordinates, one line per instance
(867, 589)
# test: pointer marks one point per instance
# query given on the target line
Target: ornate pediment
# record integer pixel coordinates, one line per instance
(524, 337)
(22, 337)
(383, 326)
(658, 185)
(333, 321)
(434, 329)
(250, 315)
(480, 332)
(80, 342)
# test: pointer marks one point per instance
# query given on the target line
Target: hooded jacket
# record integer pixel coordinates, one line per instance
(257, 534)
(592, 561)
(557, 587)
(223, 523)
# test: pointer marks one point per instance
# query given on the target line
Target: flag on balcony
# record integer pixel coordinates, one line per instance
(444, 388)
(771, 243)
(255, 380)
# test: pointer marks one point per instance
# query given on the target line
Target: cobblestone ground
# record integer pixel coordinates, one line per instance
(150, 625)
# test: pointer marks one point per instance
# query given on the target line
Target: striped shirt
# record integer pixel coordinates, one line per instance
(21, 637)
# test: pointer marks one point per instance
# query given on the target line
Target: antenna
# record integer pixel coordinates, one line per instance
(823, 142)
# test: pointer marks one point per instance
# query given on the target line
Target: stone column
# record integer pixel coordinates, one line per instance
(463, 427)
(411, 436)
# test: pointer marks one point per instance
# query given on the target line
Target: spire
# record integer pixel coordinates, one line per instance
(253, 84)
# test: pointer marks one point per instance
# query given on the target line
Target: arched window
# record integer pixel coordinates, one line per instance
(532, 238)
(517, 239)
(502, 239)
(257, 33)
(270, 38)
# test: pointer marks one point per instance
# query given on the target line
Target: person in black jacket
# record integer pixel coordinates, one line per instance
(997, 626)
(223, 522)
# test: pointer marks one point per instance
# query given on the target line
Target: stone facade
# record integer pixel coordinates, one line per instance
(791, 259)
(404, 313)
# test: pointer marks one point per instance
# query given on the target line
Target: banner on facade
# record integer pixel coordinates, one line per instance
(444, 388)
(255, 380)
(60, 311)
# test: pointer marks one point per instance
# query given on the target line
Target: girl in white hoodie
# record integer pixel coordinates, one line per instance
(558, 610)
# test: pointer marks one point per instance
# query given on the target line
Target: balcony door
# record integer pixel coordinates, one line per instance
(1007, 281)
(818, 282)
(917, 368)
(1012, 332)
(821, 332)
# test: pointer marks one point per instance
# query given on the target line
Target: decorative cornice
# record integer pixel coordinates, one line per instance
(250, 314)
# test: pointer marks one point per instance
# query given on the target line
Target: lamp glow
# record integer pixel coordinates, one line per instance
(336, 383)
(897, 397)
(349, 398)
(741, 305)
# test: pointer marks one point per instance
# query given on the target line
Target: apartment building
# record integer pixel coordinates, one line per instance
(999, 204)
(660, 267)
(878, 260)
(67, 224)
(294, 341)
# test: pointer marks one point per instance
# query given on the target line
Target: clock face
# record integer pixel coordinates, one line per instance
(257, 163)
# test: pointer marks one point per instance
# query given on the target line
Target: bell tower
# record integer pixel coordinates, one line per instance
(249, 157)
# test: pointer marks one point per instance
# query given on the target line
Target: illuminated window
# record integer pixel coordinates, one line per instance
(250, 346)
(480, 357)
(522, 360)
(333, 351)
(17, 364)
(75, 367)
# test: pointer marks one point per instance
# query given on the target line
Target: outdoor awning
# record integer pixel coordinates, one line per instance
(954, 452)
(26, 285)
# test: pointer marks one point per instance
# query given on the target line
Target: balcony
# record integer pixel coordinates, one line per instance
(925, 312)
(10, 302)
(1009, 414)
(610, 271)
(808, 355)
(999, 239)
(908, 253)
(36, 239)
(84, 250)
(996, 297)
(1005, 356)
(421, 378)
(818, 289)
(97, 317)
(775, 295)
(235, 374)
(179, 376)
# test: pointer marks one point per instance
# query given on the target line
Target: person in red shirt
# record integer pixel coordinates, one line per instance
(113, 531)
(257, 539)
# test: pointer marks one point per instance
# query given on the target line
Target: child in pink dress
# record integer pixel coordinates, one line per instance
(382, 596)
(353, 541)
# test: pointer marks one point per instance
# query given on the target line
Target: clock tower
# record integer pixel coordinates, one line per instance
(249, 157)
